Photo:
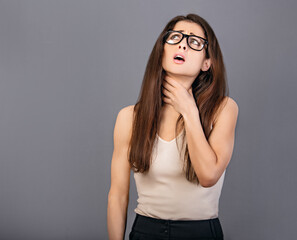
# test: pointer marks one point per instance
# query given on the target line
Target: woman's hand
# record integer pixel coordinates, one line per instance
(177, 95)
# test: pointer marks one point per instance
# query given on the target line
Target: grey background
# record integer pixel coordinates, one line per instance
(68, 67)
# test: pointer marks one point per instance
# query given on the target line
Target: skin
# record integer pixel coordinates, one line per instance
(209, 158)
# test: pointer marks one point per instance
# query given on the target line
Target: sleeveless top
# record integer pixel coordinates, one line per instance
(165, 193)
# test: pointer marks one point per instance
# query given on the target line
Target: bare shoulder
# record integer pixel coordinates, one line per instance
(124, 122)
(127, 111)
(231, 104)
(125, 116)
(228, 108)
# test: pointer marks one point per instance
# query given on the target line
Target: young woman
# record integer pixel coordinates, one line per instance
(178, 139)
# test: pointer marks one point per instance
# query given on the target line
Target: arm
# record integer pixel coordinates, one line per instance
(210, 158)
(118, 196)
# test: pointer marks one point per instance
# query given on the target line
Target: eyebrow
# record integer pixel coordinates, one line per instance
(183, 31)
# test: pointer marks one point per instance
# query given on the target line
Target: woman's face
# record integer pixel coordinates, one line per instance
(194, 60)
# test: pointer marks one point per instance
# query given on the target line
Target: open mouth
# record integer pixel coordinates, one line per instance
(179, 58)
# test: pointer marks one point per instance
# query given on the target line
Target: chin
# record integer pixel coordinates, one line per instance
(181, 73)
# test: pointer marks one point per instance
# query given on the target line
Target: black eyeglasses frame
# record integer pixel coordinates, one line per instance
(184, 36)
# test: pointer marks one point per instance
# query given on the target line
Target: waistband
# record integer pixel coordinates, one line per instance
(208, 228)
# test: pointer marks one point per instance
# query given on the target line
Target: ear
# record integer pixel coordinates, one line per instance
(206, 65)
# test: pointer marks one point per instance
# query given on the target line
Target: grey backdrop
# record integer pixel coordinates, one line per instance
(68, 67)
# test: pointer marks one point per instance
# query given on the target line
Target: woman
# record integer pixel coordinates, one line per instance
(178, 180)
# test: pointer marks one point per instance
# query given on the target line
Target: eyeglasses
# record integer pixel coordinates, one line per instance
(194, 42)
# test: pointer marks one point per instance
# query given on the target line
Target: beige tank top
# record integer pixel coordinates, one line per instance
(165, 193)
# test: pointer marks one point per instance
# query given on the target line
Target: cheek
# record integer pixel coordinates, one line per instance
(198, 62)
(166, 52)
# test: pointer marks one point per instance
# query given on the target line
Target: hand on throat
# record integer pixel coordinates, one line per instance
(185, 81)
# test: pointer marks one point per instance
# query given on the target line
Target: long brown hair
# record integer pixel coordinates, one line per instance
(209, 90)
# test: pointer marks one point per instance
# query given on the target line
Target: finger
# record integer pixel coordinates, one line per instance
(166, 99)
(170, 81)
(167, 86)
(166, 92)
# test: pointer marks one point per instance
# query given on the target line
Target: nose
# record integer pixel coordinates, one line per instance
(183, 44)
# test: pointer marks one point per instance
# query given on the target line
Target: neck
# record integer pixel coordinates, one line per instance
(185, 81)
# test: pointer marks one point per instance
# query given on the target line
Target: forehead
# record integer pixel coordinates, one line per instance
(189, 27)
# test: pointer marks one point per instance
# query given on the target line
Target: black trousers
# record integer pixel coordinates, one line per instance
(147, 228)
